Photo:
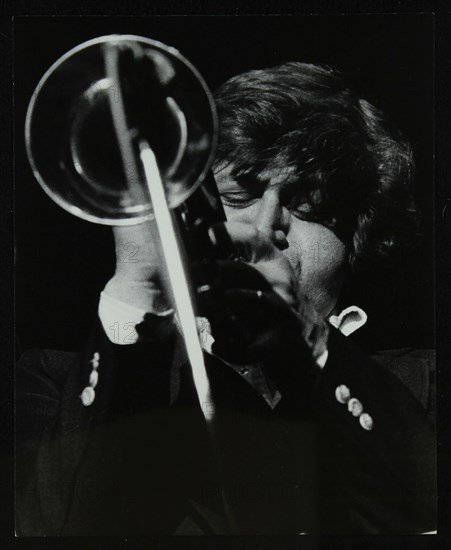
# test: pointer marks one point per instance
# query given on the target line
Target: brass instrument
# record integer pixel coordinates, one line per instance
(115, 125)
(72, 142)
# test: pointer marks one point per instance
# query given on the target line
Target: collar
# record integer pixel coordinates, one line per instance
(349, 320)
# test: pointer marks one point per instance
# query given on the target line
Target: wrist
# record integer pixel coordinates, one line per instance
(137, 291)
(127, 324)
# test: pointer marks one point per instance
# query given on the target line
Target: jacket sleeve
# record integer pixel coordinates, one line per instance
(380, 461)
(67, 446)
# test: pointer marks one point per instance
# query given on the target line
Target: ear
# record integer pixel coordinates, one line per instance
(349, 320)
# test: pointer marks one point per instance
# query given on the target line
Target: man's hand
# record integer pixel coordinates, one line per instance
(139, 277)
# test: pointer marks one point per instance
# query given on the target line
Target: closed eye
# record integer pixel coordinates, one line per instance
(238, 199)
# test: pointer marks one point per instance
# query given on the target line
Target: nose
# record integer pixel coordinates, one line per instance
(273, 218)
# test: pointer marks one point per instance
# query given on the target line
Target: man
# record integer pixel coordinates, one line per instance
(310, 435)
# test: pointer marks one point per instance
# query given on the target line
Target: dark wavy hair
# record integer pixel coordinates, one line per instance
(351, 170)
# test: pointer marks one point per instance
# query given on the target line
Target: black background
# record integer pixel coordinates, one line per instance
(62, 263)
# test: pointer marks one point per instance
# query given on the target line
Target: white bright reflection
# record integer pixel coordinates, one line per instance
(177, 279)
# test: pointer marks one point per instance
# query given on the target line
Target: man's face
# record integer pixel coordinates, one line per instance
(316, 255)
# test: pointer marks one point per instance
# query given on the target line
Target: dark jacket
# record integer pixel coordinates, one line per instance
(139, 459)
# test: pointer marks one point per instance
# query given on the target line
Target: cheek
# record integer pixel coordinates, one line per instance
(229, 212)
(320, 258)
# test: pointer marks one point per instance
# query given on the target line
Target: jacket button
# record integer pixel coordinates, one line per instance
(355, 407)
(93, 378)
(342, 394)
(87, 396)
(95, 360)
(366, 422)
